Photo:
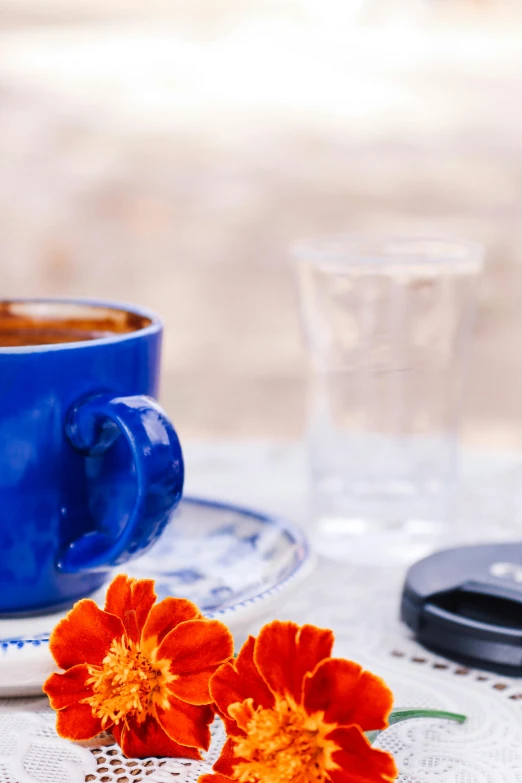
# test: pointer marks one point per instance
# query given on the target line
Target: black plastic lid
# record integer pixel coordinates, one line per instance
(466, 603)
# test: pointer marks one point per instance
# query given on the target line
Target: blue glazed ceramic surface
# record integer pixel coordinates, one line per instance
(235, 564)
(90, 466)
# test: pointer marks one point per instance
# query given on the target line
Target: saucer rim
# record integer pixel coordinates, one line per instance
(237, 610)
(301, 569)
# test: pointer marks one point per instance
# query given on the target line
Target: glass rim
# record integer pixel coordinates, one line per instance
(338, 251)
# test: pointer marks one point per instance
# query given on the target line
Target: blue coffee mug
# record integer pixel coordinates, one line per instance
(90, 466)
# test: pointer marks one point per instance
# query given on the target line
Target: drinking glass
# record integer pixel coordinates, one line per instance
(388, 323)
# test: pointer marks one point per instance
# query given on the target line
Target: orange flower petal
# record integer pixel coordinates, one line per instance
(143, 740)
(77, 723)
(193, 688)
(227, 760)
(84, 635)
(237, 681)
(165, 616)
(357, 761)
(242, 713)
(186, 724)
(213, 779)
(348, 695)
(131, 600)
(284, 653)
(68, 688)
(196, 647)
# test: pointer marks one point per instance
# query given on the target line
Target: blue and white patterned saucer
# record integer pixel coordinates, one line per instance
(235, 564)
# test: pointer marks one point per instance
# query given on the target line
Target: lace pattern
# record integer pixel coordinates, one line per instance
(486, 749)
(361, 606)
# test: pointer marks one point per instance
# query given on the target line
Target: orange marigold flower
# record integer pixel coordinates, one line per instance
(293, 714)
(140, 669)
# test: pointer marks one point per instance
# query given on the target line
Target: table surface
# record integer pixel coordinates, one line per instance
(361, 606)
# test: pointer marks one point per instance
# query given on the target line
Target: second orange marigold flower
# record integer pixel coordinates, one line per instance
(293, 714)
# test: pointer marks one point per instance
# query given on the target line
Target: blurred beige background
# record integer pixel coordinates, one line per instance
(168, 152)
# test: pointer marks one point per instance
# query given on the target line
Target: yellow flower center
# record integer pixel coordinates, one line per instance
(283, 744)
(129, 683)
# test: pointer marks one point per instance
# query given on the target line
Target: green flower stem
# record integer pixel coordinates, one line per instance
(399, 715)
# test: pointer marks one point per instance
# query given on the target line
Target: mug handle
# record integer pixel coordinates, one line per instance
(92, 427)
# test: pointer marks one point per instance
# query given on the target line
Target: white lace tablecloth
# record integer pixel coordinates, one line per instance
(361, 605)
